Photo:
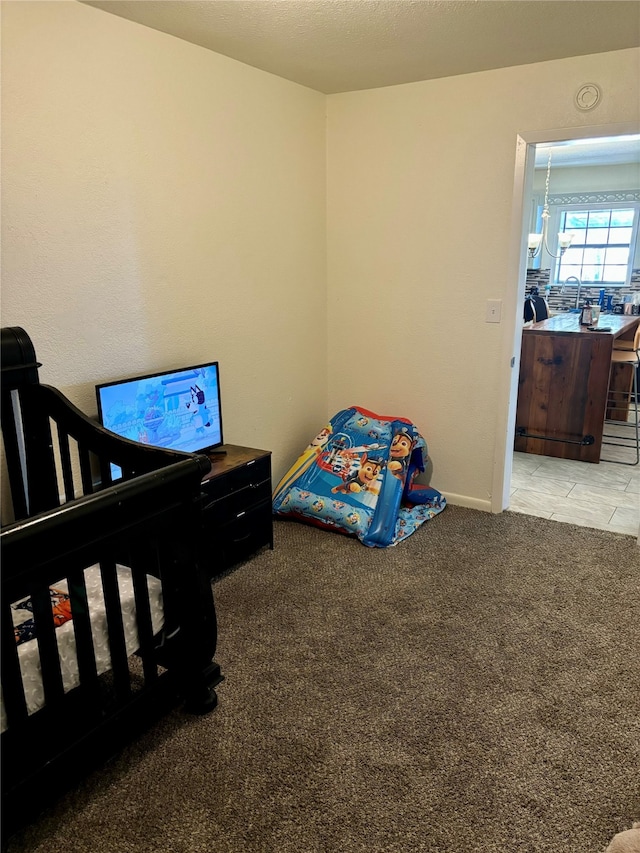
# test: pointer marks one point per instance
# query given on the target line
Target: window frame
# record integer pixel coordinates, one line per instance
(560, 205)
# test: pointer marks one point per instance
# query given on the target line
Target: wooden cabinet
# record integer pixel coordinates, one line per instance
(236, 507)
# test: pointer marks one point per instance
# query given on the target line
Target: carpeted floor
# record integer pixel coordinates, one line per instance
(475, 688)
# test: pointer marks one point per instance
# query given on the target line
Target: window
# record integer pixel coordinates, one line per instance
(603, 246)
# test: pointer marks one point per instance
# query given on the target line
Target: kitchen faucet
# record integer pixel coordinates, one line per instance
(573, 278)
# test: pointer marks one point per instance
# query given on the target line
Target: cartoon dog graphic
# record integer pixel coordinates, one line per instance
(200, 411)
(400, 451)
(364, 478)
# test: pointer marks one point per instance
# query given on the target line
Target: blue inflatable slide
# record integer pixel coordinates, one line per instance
(358, 477)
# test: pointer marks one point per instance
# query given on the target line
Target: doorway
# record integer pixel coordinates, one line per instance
(607, 495)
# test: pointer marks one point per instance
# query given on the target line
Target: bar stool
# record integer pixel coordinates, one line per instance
(620, 401)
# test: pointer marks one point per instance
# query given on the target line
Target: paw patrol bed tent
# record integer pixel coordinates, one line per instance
(357, 476)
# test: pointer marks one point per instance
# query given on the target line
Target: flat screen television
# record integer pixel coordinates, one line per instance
(175, 409)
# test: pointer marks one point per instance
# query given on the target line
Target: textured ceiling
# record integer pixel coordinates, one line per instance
(346, 45)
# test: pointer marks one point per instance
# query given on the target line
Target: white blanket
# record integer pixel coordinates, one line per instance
(29, 656)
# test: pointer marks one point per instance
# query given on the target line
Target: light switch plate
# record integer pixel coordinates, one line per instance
(494, 311)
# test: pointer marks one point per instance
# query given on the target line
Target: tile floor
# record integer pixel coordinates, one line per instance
(605, 496)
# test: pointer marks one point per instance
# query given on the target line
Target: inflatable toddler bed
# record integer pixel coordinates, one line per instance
(358, 477)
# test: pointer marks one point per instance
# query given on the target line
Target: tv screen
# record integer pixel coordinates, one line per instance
(177, 409)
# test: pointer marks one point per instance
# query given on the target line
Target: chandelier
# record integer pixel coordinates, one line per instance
(537, 241)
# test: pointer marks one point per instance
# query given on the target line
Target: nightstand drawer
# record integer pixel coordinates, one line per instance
(249, 475)
(225, 509)
(242, 537)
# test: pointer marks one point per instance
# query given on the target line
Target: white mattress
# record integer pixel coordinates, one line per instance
(28, 652)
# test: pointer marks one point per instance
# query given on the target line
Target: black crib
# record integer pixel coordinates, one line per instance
(65, 514)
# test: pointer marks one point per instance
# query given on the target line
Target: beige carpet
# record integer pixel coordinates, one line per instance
(475, 688)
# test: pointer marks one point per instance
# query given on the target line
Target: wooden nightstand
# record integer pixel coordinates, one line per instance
(236, 507)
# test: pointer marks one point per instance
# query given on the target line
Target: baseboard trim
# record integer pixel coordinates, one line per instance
(468, 502)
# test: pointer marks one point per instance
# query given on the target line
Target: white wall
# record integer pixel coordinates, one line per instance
(420, 201)
(622, 176)
(163, 206)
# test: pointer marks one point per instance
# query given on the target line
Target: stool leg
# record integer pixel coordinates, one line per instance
(635, 399)
(636, 424)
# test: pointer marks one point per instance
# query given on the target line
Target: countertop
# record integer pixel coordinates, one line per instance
(569, 324)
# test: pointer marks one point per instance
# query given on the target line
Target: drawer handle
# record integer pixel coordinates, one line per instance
(240, 514)
(241, 539)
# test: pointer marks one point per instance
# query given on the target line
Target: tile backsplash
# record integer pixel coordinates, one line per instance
(567, 299)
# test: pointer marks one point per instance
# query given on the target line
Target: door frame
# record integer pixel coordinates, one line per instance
(514, 296)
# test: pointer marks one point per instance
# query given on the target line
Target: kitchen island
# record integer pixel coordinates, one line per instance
(564, 381)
